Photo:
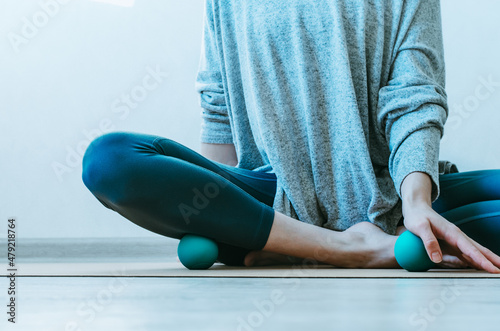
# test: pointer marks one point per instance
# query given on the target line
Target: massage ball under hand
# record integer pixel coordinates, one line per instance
(411, 254)
(196, 252)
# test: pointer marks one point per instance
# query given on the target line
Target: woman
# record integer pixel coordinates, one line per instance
(326, 112)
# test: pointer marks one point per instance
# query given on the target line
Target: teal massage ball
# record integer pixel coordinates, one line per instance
(196, 252)
(411, 254)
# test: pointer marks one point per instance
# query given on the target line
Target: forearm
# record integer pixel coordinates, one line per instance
(222, 153)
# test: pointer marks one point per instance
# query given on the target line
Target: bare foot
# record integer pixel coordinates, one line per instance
(373, 247)
(369, 247)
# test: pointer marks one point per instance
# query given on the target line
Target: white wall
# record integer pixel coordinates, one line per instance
(64, 81)
(472, 49)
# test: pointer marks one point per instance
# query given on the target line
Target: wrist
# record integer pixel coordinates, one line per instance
(416, 189)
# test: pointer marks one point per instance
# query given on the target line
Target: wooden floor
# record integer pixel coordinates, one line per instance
(153, 303)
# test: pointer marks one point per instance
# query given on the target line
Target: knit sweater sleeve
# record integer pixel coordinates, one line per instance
(412, 107)
(215, 127)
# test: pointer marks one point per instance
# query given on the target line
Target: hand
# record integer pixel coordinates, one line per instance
(423, 221)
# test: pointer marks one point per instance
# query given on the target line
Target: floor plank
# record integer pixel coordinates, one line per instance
(257, 304)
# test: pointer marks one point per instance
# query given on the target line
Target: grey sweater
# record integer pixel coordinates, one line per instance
(341, 99)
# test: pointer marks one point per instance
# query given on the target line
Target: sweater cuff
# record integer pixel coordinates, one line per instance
(215, 128)
(211, 136)
(418, 152)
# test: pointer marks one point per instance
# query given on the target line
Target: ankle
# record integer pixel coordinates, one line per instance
(341, 249)
(359, 249)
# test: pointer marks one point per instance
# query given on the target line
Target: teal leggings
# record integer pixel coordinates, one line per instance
(171, 190)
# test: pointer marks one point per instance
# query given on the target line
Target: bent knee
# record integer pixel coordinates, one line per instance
(102, 161)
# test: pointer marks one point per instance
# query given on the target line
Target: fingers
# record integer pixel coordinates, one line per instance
(453, 262)
(463, 247)
(452, 256)
(469, 249)
(474, 255)
(430, 241)
(472, 263)
(495, 259)
(430, 226)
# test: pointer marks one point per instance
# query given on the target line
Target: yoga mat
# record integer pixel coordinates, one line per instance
(175, 269)
(157, 257)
